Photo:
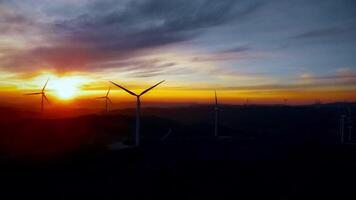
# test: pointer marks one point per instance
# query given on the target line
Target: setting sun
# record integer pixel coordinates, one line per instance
(65, 87)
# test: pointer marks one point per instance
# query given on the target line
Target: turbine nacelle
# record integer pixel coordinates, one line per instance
(42, 93)
(138, 107)
(107, 99)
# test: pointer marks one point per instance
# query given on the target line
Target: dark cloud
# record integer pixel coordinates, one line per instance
(141, 68)
(152, 23)
(151, 68)
(117, 34)
(236, 53)
(237, 49)
(337, 76)
(281, 87)
(345, 79)
(332, 31)
(13, 22)
(110, 30)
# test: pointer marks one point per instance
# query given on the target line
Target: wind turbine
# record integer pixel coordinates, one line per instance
(216, 116)
(349, 121)
(138, 108)
(342, 128)
(42, 93)
(285, 100)
(107, 99)
(247, 102)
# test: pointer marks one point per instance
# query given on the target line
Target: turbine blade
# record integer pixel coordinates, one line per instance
(34, 93)
(46, 98)
(128, 91)
(107, 94)
(44, 87)
(151, 88)
(109, 100)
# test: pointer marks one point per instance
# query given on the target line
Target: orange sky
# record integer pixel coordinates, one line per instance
(78, 90)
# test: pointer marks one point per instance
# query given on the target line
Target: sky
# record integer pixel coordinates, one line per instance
(260, 51)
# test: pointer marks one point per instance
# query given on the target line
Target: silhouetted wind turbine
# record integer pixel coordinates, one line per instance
(42, 93)
(216, 115)
(247, 102)
(285, 100)
(138, 108)
(342, 128)
(349, 122)
(107, 99)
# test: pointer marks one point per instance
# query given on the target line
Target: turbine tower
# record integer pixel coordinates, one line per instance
(349, 121)
(138, 108)
(42, 93)
(342, 128)
(216, 116)
(247, 102)
(285, 101)
(107, 99)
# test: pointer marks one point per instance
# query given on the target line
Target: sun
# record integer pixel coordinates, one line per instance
(65, 87)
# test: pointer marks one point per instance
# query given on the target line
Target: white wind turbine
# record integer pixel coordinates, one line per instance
(216, 115)
(107, 99)
(138, 108)
(42, 93)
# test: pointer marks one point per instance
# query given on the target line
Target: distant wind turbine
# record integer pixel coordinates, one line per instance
(285, 100)
(138, 108)
(349, 121)
(216, 115)
(42, 93)
(342, 128)
(107, 99)
(247, 102)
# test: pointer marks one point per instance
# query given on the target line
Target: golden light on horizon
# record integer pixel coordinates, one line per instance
(65, 87)
(62, 87)
(79, 89)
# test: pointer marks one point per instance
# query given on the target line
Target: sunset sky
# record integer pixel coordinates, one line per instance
(263, 51)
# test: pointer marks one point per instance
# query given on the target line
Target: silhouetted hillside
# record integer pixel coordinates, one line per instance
(26, 131)
(262, 152)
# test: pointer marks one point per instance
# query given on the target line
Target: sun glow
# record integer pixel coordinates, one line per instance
(65, 87)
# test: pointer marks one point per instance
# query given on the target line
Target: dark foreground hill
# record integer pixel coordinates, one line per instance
(264, 152)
